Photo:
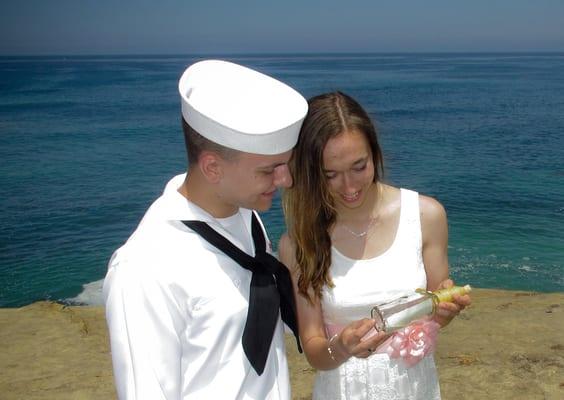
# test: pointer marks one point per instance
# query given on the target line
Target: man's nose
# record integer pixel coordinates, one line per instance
(282, 176)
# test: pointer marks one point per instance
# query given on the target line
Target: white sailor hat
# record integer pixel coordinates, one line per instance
(240, 108)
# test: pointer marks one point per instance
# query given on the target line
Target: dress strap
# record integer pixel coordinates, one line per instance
(411, 220)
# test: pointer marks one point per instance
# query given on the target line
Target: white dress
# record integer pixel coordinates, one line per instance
(359, 285)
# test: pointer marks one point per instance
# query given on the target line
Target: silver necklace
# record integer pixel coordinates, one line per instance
(360, 234)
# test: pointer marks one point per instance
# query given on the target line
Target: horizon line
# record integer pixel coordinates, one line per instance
(299, 53)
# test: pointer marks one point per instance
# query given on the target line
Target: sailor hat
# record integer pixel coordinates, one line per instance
(240, 108)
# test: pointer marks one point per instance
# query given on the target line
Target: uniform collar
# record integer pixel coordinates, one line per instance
(178, 208)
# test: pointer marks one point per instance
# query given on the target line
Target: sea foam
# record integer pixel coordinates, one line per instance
(91, 294)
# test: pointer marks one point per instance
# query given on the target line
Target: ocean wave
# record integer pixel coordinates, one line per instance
(91, 295)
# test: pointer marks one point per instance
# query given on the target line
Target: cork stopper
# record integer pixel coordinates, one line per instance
(445, 295)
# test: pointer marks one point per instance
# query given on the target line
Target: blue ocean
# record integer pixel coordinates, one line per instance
(87, 143)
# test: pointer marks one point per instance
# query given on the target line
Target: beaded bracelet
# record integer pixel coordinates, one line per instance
(329, 349)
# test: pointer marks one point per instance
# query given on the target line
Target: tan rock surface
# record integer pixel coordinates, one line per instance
(508, 345)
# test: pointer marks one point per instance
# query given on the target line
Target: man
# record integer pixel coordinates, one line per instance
(193, 300)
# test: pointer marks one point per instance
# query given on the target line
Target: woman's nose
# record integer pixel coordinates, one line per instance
(348, 183)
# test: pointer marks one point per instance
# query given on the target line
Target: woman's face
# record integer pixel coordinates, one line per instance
(349, 168)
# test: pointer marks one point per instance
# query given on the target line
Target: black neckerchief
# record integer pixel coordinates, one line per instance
(271, 290)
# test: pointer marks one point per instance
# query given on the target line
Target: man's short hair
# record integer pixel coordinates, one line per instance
(196, 143)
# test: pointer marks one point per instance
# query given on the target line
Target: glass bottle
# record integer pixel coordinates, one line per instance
(400, 312)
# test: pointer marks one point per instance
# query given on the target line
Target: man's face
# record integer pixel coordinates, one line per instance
(251, 180)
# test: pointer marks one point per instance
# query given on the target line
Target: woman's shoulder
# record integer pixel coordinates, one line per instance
(431, 207)
(427, 205)
(433, 215)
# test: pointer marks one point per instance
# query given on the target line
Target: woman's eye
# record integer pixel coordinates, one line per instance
(361, 168)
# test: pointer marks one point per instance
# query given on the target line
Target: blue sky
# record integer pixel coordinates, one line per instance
(253, 26)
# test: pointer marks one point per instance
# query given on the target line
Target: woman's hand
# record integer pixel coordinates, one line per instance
(446, 311)
(358, 339)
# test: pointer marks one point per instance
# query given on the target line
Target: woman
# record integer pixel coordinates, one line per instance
(353, 242)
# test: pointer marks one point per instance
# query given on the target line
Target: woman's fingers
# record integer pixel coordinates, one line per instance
(369, 344)
(360, 338)
(451, 309)
(462, 301)
(447, 283)
(354, 334)
(448, 310)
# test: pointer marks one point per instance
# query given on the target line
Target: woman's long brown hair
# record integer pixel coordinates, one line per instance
(308, 205)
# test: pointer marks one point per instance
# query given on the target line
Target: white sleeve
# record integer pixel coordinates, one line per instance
(144, 324)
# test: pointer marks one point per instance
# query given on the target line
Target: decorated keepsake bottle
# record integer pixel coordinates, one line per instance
(400, 312)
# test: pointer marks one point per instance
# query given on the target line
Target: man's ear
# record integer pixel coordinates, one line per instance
(211, 165)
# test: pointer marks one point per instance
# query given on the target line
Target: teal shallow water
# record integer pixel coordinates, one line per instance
(87, 143)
